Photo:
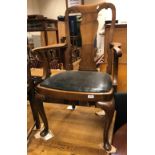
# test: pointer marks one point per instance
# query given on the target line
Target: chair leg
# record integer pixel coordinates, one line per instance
(39, 102)
(34, 109)
(35, 115)
(72, 103)
(109, 108)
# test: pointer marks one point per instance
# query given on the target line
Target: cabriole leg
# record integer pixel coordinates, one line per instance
(39, 102)
(34, 109)
(109, 108)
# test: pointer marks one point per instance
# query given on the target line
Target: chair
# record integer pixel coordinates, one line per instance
(86, 84)
(31, 83)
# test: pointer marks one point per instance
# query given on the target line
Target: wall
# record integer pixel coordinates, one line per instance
(52, 8)
(33, 7)
(121, 8)
(93, 1)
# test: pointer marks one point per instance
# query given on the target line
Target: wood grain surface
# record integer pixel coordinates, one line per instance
(77, 132)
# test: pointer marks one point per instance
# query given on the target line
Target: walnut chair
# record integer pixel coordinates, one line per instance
(31, 83)
(86, 84)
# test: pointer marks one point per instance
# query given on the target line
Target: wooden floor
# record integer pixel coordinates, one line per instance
(77, 132)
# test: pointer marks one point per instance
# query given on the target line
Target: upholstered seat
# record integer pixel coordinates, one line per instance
(81, 81)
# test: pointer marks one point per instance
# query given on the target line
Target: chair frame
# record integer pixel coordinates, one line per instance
(89, 23)
(31, 96)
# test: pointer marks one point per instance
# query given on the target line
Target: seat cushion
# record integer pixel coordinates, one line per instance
(81, 81)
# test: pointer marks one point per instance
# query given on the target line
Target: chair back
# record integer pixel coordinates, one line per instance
(88, 30)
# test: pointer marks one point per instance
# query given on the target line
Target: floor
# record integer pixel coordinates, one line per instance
(77, 132)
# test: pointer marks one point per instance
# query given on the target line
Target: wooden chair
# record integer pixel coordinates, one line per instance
(86, 84)
(31, 83)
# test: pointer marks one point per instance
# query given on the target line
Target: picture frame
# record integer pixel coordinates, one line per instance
(70, 3)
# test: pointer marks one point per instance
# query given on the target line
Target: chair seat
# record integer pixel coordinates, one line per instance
(79, 81)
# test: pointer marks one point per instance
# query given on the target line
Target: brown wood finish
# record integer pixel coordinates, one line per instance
(120, 35)
(51, 38)
(70, 95)
(42, 53)
(31, 95)
(49, 35)
(77, 132)
(88, 29)
(109, 108)
(41, 24)
(122, 76)
(54, 46)
(61, 30)
(31, 98)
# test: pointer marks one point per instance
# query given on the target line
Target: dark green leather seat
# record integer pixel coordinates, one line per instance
(81, 81)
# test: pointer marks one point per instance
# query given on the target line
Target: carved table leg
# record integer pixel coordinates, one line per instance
(109, 108)
(39, 102)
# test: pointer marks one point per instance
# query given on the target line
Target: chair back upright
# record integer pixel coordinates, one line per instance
(88, 30)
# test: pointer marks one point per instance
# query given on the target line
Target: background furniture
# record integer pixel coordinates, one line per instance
(120, 129)
(36, 23)
(86, 84)
(49, 36)
(121, 108)
(43, 24)
(75, 36)
(120, 140)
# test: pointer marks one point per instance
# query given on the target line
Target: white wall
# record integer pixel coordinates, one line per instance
(52, 8)
(33, 7)
(93, 1)
(121, 9)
